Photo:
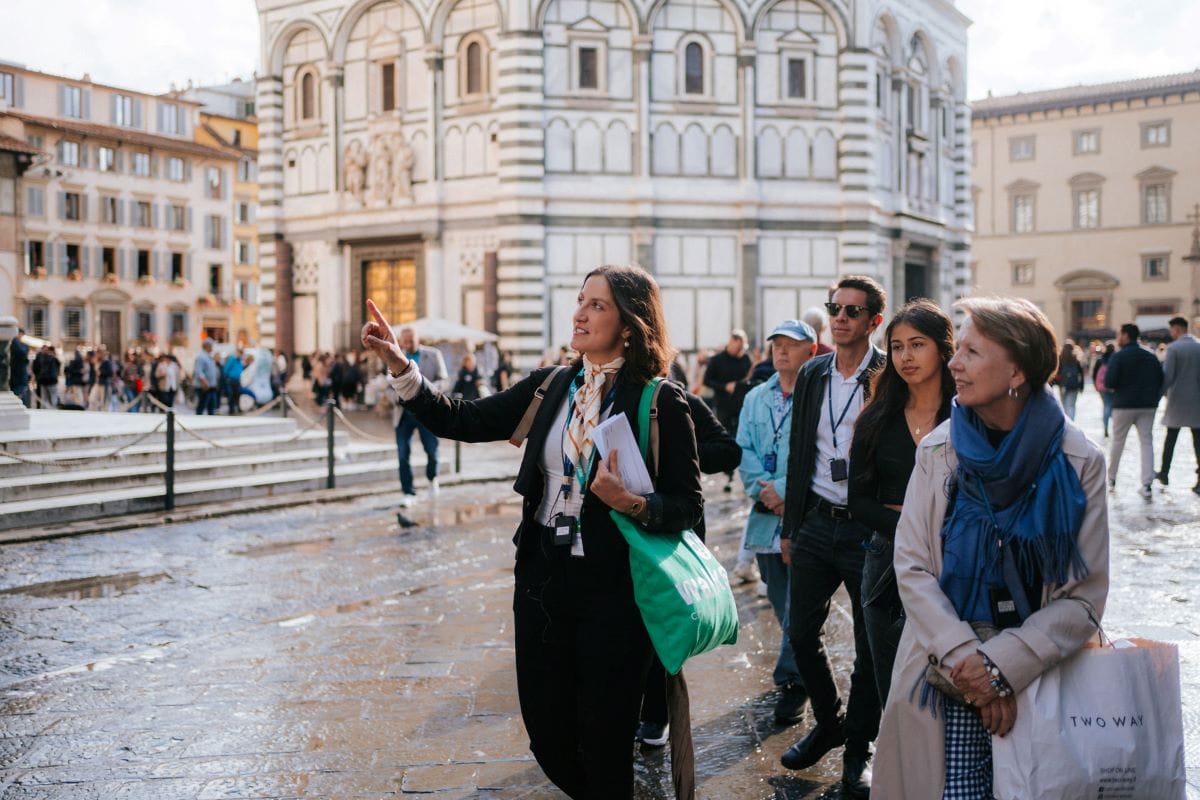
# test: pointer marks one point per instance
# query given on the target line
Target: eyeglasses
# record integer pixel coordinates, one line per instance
(851, 311)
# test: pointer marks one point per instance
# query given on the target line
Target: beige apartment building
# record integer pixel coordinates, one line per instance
(123, 221)
(1082, 202)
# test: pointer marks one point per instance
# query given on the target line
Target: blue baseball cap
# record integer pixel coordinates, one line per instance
(796, 329)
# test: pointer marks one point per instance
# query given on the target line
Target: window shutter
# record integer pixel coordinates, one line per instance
(137, 112)
(154, 215)
(153, 166)
(83, 206)
(120, 211)
(28, 258)
(62, 205)
(58, 151)
(253, 212)
(181, 120)
(112, 109)
(87, 103)
(121, 263)
(62, 100)
(84, 259)
(62, 257)
(30, 205)
(208, 231)
(118, 161)
(98, 261)
(155, 266)
(83, 155)
(188, 214)
(187, 267)
(18, 91)
(224, 185)
(187, 169)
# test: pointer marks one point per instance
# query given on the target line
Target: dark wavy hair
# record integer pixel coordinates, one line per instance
(890, 392)
(639, 302)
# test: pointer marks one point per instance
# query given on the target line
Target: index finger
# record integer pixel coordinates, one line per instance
(377, 314)
(612, 457)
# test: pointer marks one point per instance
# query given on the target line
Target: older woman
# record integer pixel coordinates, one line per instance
(582, 651)
(1005, 522)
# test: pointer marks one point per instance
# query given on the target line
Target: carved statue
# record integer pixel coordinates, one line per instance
(354, 164)
(379, 171)
(402, 166)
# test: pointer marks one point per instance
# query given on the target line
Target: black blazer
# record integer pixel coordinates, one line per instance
(495, 418)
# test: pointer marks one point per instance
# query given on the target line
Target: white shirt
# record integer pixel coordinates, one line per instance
(847, 394)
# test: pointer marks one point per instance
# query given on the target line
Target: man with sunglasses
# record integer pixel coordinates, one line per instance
(825, 547)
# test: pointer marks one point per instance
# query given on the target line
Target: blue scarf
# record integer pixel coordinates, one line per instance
(1023, 496)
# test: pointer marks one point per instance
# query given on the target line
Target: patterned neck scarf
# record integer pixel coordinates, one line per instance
(589, 398)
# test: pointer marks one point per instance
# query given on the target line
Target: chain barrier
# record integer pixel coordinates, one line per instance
(292, 405)
(236, 447)
(72, 462)
(354, 428)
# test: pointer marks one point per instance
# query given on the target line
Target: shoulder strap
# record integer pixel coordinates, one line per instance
(648, 422)
(526, 422)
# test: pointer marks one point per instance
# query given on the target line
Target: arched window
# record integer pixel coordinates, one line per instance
(693, 69)
(474, 68)
(308, 104)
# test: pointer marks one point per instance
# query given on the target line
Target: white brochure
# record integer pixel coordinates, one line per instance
(615, 434)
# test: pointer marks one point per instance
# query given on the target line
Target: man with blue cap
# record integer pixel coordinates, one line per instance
(763, 434)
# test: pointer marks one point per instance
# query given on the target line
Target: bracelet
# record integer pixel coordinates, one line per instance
(998, 681)
(635, 508)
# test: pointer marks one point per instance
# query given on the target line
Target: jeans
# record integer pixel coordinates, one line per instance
(883, 612)
(825, 554)
(206, 401)
(404, 431)
(1169, 450)
(1123, 419)
(1108, 409)
(1068, 397)
(775, 573)
(48, 394)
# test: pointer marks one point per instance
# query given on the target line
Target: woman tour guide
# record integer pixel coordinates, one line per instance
(1005, 525)
(582, 651)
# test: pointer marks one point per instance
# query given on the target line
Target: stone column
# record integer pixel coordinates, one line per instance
(13, 414)
(285, 326)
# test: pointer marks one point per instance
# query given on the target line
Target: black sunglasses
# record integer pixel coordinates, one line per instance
(851, 311)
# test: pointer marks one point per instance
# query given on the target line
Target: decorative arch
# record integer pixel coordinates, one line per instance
(437, 27)
(543, 8)
(735, 13)
(341, 39)
(954, 78)
(1087, 279)
(886, 24)
(833, 10)
(921, 41)
(280, 45)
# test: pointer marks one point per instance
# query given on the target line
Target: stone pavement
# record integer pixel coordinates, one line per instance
(322, 651)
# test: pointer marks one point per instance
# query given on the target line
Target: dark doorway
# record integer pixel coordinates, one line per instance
(916, 281)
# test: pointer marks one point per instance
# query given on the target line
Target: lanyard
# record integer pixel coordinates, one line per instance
(834, 425)
(570, 469)
(779, 425)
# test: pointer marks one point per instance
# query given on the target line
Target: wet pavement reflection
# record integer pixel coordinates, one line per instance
(327, 651)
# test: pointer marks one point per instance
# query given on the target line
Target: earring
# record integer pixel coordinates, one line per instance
(627, 344)
(1012, 392)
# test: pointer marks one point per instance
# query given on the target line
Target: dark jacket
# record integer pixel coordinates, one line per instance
(1134, 377)
(18, 364)
(806, 410)
(678, 503)
(46, 368)
(724, 368)
(717, 449)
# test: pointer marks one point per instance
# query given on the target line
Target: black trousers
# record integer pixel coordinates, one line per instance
(825, 554)
(1169, 450)
(883, 613)
(582, 658)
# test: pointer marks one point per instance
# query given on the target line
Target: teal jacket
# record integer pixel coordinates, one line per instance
(756, 436)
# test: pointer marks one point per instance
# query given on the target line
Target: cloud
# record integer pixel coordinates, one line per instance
(144, 45)
(1027, 45)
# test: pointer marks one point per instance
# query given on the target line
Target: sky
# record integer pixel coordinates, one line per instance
(1015, 45)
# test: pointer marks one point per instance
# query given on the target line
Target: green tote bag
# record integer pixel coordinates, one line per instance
(681, 590)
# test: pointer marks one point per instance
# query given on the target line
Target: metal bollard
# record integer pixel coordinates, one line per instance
(283, 402)
(330, 405)
(169, 500)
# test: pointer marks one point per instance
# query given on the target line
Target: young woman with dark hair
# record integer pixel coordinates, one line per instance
(910, 398)
(582, 651)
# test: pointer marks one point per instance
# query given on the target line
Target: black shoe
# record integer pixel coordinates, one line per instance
(789, 708)
(651, 734)
(1162, 477)
(856, 777)
(812, 748)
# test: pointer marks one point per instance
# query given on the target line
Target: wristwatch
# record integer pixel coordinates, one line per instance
(636, 507)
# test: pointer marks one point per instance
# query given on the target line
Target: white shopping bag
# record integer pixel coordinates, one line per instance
(1106, 723)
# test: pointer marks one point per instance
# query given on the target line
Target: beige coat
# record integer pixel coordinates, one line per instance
(909, 751)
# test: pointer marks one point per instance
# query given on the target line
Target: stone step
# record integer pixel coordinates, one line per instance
(102, 432)
(30, 487)
(187, 449)
(102, 502)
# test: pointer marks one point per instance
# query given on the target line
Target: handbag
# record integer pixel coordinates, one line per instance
(1105, 722)
(681, 590)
